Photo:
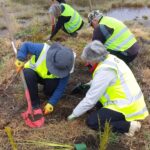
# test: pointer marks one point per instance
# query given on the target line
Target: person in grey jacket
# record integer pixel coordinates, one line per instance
(115, 87)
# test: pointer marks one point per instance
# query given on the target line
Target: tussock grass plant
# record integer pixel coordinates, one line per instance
(104, 136)
(145, 17)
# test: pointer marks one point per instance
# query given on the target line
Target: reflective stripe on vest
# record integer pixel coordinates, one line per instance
(41, 58)
(40, 65)
(121, 39)
(71, 28)
(125, 87)
(122, 102)
(125, 95)
(75, 21)
(142, 111)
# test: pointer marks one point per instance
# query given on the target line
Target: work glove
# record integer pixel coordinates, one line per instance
(71, 117)
(19, 65)
(80, 88)
(48, 108)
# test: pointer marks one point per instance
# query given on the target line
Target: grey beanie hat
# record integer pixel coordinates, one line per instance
(55, 10)
(94, 51)
(59, 60)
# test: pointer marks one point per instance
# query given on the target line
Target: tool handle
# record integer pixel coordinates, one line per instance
(27, 94)
(14, 47)
(52, 23)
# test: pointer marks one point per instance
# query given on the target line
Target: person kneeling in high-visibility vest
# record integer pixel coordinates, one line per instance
(116, 89)
(50, 65)
(68, 19)
(115, 35)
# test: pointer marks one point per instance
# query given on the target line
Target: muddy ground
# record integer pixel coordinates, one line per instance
(56, 128)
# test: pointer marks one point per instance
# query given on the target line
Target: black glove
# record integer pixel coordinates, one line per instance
(80, 88)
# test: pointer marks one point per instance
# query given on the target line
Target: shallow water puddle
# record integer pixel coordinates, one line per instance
(125, 14)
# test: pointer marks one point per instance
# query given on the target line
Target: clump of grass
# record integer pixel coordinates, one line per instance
(3, 27)
(116, 5)
(104, 137)
(114, 138)
(145, 17)
(24, 16)
(33, 32)
(128, 4)
(26, 12)
(134, 5)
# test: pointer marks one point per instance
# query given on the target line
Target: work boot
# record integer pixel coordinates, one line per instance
(134, 127)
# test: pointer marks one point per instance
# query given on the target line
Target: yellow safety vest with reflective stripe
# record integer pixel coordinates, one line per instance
(40, 65)
(75, 21)
(124, 95)
(121, 39)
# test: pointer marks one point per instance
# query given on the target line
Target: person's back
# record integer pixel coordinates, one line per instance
(121, 38)
(75, 19)
(68, 19)
(116, 89)
(115, 35)
(124, 92)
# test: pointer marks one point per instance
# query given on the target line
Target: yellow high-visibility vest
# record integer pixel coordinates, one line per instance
(125, 95)
(40, 65)
(121, 39)
(75, 21)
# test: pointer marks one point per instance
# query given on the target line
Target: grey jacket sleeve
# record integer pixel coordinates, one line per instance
(102, 79)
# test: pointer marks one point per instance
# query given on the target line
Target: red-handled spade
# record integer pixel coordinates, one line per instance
(32, 118)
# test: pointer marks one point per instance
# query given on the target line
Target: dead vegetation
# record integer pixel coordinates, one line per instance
(56, 128)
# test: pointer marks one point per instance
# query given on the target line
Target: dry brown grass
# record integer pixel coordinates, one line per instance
(56, 128)
(7, 67)
(139, 32)
(146, 75)
(2, 25)
(107, 4)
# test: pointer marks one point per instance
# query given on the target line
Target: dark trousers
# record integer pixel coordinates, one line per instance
(117, 120)
(127, 59)
(32, 80)
(128, 55)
